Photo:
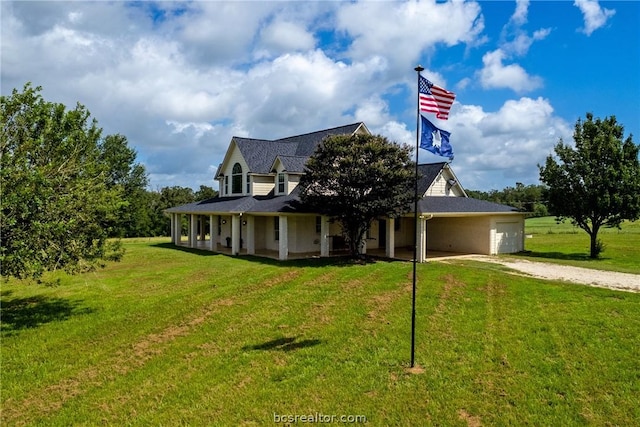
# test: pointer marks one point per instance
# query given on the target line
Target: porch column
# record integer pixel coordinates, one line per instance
(324, 235)
(193, 231)
(364, 245)
(251, 232)
(283, 243)
(422, 239)
(213, 233)
(235, 234)
(390, 250)
(173, 228)
(202, 230)
(177, 231)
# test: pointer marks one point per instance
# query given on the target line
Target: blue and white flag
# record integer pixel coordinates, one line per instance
(435, 140)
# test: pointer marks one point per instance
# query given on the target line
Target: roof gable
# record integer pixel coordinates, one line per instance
(290, 164)
(429, 173)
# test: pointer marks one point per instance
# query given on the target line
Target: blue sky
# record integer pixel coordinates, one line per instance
(180, 79)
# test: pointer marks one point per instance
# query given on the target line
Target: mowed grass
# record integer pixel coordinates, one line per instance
(563, 243)
(180, 337)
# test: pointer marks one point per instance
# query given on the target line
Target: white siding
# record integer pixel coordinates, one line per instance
(403, 232)
(302, 234)
(292, 182)
(225, 229)
(441, 186)
(372, 241)
(465, 235)
(262, 184)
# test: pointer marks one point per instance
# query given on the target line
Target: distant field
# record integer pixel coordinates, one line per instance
(566, 244)
(180, 337)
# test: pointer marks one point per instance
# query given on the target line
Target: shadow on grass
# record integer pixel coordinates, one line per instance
(334, 261)
(283, 344)
(31, 312)
(201, 252)
(576, 256)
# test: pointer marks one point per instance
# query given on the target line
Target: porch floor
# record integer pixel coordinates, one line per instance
(403, 254)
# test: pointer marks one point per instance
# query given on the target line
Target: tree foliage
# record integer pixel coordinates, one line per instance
(357, 179)
(129, 178)
(526, 198)
(60, 189)
(597, 183)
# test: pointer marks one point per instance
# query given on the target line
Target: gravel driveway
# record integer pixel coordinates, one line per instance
(584, 276)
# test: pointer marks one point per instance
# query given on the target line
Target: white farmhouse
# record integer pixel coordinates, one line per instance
(258, 211)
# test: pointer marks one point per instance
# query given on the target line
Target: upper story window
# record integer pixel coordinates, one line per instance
(226, 185)
(281, 183)
(248, 184)
(236, 179)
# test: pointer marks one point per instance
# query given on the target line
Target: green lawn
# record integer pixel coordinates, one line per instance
(566, 244)
(179, 337)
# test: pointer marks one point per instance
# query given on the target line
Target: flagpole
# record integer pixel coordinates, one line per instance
(418, 70)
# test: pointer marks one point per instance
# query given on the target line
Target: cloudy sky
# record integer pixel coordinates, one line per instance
(179, 79)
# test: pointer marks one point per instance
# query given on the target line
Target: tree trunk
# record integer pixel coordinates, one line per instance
(595, 250)
(594, 245)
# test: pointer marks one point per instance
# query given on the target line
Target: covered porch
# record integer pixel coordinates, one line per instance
(289, 236)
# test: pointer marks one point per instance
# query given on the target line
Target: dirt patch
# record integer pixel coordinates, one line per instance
(584, 276)
(451, 289)
(471, 420)
(282, 278)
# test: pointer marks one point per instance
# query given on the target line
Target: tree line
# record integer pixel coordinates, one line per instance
(532, 198)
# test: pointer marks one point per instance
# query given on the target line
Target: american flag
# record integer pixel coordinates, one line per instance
(434, 99)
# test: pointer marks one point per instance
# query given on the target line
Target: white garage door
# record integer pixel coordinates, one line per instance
(507, 237)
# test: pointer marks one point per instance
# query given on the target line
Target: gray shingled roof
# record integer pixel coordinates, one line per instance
(254, 204)
(261, 153)
(291, 204)
(443, 204)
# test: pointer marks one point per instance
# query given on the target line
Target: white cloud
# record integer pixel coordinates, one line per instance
(497, 75)
(401, 31)
(180, 79)
(522, 42)
(505, 145)
(519, 17)
(515, 42)
(281, 37)
(594, 15)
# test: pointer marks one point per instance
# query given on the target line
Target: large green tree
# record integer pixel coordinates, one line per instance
(596, 183)
(355, 179)
(129, 178)
(56, 189)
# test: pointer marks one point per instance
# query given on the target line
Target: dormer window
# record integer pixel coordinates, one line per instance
(226, 185)
(236, 179)
(281, 182)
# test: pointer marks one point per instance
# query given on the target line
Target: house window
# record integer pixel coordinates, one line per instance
(396, 224)
(236, 179)
(281, 183)
(226, 184)
(318, 224)
(219, 225)
(276, 228)
(248, 184)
